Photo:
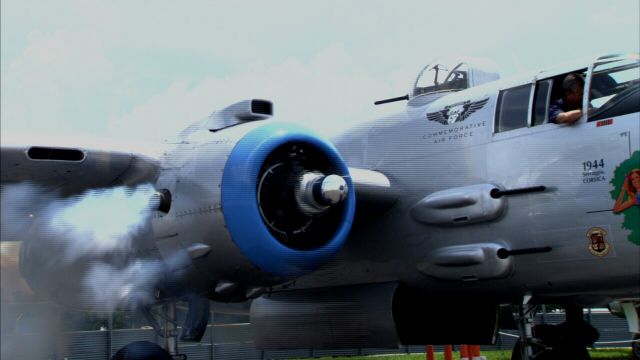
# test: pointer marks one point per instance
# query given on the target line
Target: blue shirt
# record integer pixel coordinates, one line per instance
(556, 108)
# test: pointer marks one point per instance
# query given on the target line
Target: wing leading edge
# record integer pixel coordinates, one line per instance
(72, 170)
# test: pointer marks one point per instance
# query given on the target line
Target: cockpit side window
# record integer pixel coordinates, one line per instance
(614, 89)
(513, 108)
(541, 101)
(565, 94)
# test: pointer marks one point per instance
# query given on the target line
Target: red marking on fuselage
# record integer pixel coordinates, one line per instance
(604, 122)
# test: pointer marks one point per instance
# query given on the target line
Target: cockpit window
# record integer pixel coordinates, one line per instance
(442, 77)
(615, 89)
(512, 108)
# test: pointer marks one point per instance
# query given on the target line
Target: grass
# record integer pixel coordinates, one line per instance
(610, 354)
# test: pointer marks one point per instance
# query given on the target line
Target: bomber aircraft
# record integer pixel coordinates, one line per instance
(476, 203)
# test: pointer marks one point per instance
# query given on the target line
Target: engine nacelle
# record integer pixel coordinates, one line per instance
(371, 315)
(253, 205)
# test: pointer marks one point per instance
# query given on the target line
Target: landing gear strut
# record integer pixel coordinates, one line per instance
(171, 330)
(527, 347)
(553, 342)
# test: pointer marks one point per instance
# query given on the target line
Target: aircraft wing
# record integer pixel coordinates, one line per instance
(72, 170)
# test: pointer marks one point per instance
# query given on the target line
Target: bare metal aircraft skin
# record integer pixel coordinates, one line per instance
(469, 199)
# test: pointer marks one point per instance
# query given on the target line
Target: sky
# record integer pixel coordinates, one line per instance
(134, 71)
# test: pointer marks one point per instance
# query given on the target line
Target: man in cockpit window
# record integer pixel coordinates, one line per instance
(568, 109)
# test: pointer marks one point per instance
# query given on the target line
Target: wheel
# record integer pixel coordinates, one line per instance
(516, 353)
(539, 353)
(635, 347)
(142, 350)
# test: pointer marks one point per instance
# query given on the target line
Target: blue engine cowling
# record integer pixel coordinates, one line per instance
(259, 204)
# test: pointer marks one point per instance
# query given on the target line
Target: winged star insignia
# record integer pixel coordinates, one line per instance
(456, 112)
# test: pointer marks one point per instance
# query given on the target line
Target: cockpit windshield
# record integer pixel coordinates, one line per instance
(441, 77)
(615, 89)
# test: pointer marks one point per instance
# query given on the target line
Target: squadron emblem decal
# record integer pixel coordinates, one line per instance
(456, 112)
(598, 244)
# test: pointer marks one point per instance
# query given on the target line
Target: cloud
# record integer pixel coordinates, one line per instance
(53, 62)
(328, 93)
(50, 83)
(146, 72)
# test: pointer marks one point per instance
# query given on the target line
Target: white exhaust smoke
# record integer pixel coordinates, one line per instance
(100, 221)
(107, 287)
(86, 243)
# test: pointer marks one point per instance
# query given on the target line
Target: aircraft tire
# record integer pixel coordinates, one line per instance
(516, 353)
(540, 354)
(141, 350)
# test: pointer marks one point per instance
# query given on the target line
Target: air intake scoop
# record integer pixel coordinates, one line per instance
(240, 112)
